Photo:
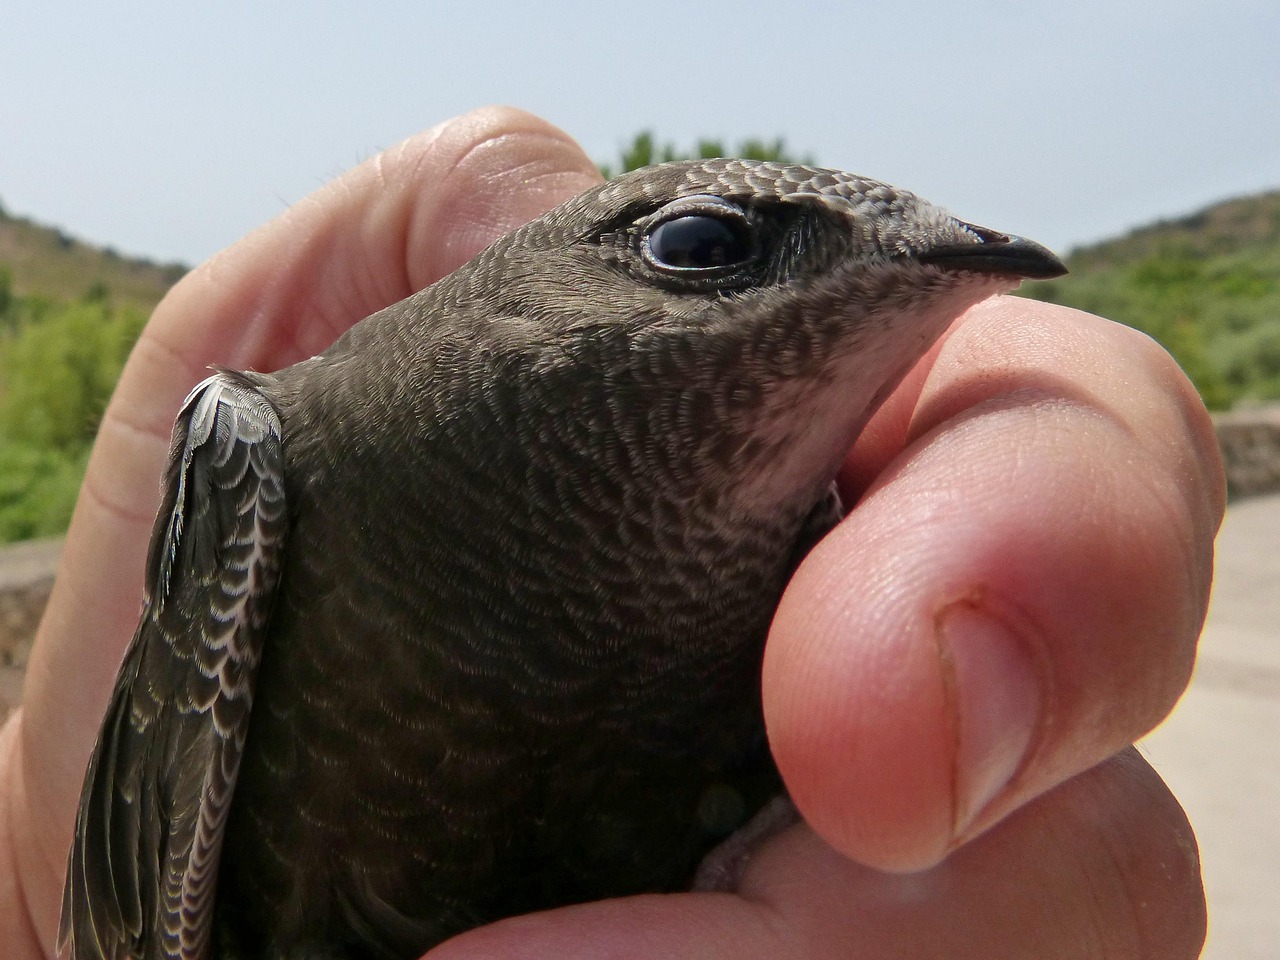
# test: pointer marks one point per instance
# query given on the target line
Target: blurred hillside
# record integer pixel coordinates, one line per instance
(45, 263)
(1206, 286)
(69, 314)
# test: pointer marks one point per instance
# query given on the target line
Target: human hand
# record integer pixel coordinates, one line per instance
(1046, 467)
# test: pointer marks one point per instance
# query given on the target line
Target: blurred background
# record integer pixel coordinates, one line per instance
(1141, 138)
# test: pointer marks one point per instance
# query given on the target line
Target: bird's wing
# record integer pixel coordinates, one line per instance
(142, 870)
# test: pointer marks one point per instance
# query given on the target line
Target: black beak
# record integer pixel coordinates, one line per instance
(997, 253)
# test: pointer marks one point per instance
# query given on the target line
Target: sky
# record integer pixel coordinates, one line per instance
(170, 130)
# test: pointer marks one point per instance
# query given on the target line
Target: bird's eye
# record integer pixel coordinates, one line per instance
(701, 240)
(698, 242)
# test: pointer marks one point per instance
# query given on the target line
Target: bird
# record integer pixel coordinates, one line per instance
(464, 617)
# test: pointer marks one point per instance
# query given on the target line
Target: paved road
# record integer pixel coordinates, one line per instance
(1220, 750)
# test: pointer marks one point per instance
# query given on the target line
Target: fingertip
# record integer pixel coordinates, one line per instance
(1114, 367)
(383, 230)
(491, 170)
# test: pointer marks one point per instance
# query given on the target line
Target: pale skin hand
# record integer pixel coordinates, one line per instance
(1016, 599)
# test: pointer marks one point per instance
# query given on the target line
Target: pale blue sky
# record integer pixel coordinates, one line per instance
(170, 130)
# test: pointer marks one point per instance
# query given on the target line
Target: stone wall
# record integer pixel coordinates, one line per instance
(1250, 442)
(26, 577)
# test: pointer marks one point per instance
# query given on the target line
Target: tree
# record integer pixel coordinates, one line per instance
(644, 150)
(57, 372)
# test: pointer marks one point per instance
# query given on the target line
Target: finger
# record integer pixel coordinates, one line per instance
(1017, 597)
(1103, 866)
(370, 238)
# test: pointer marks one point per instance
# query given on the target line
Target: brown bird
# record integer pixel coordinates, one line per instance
(464, 617)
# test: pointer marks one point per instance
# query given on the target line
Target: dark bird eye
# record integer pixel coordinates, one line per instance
(700, 241)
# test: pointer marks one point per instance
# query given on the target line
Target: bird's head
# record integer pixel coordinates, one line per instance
(757, 311)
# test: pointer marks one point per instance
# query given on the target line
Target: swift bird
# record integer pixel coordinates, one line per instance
(464, 617)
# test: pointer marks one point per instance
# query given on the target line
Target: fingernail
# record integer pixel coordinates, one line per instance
(996, 701)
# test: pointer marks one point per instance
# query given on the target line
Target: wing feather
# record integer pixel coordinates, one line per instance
(142, 872)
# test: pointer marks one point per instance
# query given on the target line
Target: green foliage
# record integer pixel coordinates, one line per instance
(7, 302)
(645, 150)
(56, 372)
(1206, 287)
(69, 314)
(58, 365)
(38, 489)
(48, 262)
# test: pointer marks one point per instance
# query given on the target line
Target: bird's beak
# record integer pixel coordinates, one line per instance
(997, 253)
